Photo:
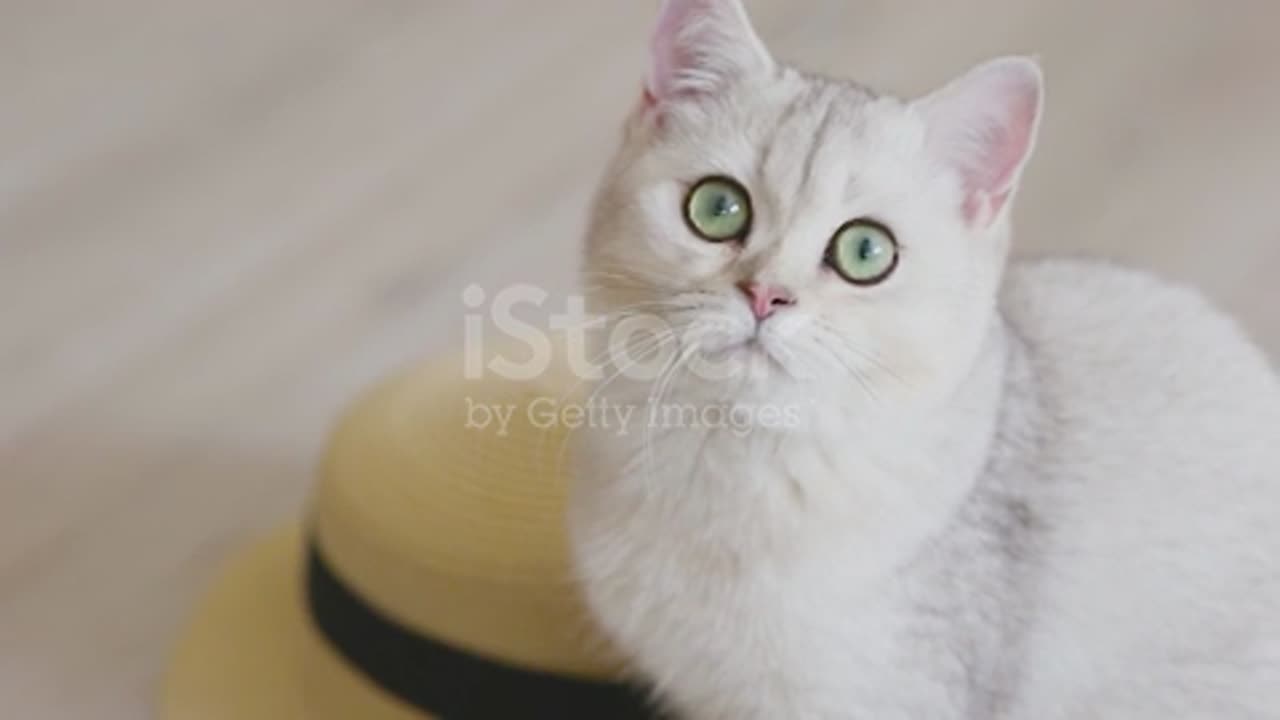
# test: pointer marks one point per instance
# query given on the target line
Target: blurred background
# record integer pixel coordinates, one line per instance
(219, 220)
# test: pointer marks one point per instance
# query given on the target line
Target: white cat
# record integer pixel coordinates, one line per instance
(948, 490)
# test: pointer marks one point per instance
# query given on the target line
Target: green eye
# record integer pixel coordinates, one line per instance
(718, 209)
(864, 252)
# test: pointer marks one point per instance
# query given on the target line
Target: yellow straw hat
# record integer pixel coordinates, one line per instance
(430, 579)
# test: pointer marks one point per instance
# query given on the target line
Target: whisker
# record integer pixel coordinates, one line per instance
(656, 345)
(865, 355)
(841, 363)
(648, 344)
(679, 362)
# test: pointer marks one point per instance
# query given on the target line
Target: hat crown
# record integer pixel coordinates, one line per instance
(441, 504)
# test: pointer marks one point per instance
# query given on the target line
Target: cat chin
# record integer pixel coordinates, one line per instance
(762, 385)
(756, 354)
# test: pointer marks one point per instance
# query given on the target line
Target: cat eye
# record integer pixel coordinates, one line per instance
(864, 252)
(718, 209)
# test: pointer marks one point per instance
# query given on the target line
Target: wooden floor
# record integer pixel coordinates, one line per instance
(219, 220)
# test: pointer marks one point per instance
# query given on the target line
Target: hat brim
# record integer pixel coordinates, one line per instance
(249, 652)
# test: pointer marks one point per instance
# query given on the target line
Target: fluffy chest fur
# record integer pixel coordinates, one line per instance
(771, 608)
(804, 574)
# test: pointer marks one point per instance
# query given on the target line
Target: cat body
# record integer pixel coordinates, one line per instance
(1026, 494)
(1099, 542)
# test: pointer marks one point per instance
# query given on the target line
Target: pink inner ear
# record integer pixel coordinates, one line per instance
(984, 124)
(698, 45)
(1008, 146)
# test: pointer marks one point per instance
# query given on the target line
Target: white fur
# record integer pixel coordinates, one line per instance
(1045, 493)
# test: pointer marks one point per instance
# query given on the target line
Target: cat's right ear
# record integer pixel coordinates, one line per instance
(984, 126)
(700, 47)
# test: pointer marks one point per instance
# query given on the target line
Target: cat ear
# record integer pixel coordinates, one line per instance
(700, 46)
(983, 126)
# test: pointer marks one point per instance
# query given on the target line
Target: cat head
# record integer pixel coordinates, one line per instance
(792, 231)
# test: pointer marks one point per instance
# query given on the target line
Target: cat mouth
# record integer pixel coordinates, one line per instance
(750, 354)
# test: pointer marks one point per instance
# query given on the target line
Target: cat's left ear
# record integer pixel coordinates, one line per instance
(984, 126)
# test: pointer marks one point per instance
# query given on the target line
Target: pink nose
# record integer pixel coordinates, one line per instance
(764, 299)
